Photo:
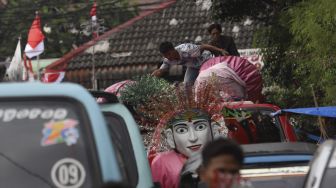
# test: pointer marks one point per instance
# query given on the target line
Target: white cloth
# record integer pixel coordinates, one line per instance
(15, 68)
(190, 56)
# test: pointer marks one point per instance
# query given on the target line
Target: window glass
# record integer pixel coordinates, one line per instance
(318, 165)
(123, 146)
(42, 144)
(253, 125)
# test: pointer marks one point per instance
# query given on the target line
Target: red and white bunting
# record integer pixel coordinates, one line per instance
(52, 76)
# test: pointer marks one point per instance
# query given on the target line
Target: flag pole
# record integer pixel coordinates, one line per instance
(38, 68)
(34, 47)
(38, 58)
(95, 78)
(93, 27)
(94, 85)
(21, 73)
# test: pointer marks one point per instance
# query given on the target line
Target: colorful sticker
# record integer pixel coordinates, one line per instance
(56, 132)
(68, 173)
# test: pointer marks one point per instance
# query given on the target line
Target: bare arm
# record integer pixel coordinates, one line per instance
(213, 48)
(163, 69)
(159, 72)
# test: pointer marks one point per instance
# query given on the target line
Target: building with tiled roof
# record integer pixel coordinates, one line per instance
(133, 49)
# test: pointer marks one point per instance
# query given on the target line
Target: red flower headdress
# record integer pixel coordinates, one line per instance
(182, 102)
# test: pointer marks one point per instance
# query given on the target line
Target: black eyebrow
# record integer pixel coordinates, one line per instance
(180, 124)
(201, 121)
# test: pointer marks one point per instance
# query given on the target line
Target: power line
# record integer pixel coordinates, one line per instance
(55, 4)
(45, 19)
(100, 7)
(65, 23)
(68, 15)
(14, 14)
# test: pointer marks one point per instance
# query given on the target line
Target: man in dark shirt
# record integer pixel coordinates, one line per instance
(221, 41)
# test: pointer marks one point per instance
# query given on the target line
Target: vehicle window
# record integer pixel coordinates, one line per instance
(318, 165)
(332, 162)
(123, 145)
(275, 171)
(328, 177)
(277, 160)
(253, 125)
(43, 144)
(330, 172)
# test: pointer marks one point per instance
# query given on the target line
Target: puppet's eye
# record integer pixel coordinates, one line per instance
(201, 126)
(181, 130)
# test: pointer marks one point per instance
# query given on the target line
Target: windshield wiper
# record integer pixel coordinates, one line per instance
(26, 170)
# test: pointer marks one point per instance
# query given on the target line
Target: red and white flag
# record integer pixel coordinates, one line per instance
(93, 14)
(35, 45)
(53, 76)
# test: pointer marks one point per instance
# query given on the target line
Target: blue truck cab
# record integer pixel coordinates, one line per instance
(54, 135)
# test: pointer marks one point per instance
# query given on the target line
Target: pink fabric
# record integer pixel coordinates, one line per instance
(166, 168)
(245, 70)
(115, 89)
(231, 84)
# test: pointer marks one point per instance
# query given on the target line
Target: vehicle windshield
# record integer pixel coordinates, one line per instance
(43, 144)
(253, 125)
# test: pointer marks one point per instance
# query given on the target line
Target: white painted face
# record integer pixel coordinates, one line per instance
(189, 136)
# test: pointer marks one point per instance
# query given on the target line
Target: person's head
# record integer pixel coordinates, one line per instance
(189, 131)
(215, 31)
(168, 51)
(258, 65)
(220, 157)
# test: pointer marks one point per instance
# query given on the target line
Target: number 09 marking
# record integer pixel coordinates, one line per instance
(68, 173)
